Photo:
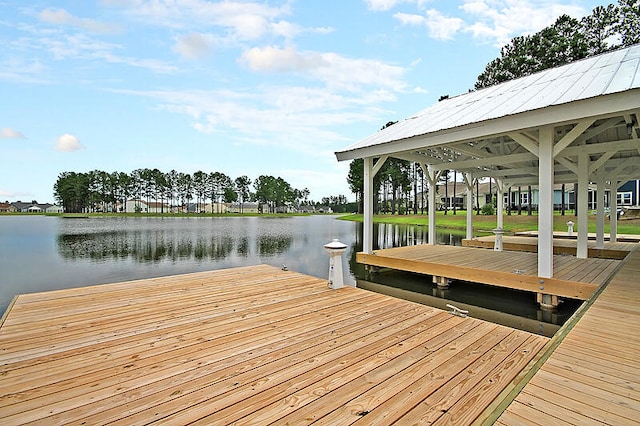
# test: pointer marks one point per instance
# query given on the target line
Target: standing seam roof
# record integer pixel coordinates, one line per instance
(600, 75)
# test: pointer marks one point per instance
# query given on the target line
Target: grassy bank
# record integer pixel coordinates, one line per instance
(513, 223)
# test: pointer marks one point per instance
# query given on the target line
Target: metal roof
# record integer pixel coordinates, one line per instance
(464, 115)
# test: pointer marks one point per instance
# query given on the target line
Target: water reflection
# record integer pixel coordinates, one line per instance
(47, 253)
(167, 243)
(387, 235)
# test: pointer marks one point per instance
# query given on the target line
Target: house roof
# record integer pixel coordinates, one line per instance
(493, 131)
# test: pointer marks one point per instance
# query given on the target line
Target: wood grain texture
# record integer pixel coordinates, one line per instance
(252, 345)
(592, 376)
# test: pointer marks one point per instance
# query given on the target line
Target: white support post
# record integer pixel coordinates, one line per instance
(367, 232)
(500, 203)
(545, 203)
(583, 206)
(468, 181)
(600, 208)
(613, 210)
(432, 177)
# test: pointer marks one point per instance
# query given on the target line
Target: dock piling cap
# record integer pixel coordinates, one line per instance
(335, 245)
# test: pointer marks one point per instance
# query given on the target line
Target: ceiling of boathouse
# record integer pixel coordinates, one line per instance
(593, 106)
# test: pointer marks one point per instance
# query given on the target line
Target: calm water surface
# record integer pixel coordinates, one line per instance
(39, 253)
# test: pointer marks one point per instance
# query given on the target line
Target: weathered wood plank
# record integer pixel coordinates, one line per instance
(573, 278)
(591, 377)
(258, 342)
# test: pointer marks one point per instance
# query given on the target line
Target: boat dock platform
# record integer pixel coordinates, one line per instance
(573, 278)
(561, 246)
(252, 345)
(621, 238)
(258, 345)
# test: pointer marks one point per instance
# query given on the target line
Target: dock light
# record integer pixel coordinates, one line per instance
(570, 228)
(335, 249)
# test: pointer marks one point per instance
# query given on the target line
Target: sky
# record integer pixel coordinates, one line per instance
(270, 87)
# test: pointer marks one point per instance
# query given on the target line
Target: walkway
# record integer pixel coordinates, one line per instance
(592, 375)
(561, 246)
(251, 345)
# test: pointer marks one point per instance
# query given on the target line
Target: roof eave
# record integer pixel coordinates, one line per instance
(600, 106)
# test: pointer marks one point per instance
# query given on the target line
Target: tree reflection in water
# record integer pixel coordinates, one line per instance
(154, 246)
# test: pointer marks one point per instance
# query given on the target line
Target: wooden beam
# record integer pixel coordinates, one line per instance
(526, 141)
(570, 137)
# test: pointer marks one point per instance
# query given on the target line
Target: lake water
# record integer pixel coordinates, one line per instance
(39, 253)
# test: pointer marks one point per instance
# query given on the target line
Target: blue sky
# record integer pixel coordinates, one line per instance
(241, 87)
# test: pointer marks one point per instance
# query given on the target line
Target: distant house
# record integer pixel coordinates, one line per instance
(216, 207)
(136, 205)
(244, 208)
(34, 207)
(6, 207)
(307, 208)
(324, 209)
(629, 194)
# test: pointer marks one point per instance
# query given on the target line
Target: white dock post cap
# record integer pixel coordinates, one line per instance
(335, 249)
(335, 245)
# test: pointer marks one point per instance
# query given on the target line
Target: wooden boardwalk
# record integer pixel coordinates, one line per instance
(573, 278)
(561, 246)
(625, 238)
(253, 345)
(591, 376)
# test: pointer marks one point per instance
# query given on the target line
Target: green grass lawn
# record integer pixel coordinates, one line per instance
(513, 223)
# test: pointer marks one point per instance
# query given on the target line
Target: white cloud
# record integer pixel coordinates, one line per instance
(81, 46)
(7, 133)
(439, 26)
(62, 17)
(246, 20)
(68, 143)
(498, 21)
(193, 46)
(384, 5)
(276, 116)
(331, 68)
(492, 21)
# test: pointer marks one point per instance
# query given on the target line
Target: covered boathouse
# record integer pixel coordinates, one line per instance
(576, 123)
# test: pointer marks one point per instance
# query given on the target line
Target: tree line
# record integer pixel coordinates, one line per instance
(568, 39)
(399, 184)
(108, 192)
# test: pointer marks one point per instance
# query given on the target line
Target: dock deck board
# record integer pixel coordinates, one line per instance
(591, 377)
(561, 246)
(251, 345)
(573, 278)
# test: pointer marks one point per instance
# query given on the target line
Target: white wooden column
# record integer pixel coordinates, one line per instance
(370, 171)
(432, 178)
(583, 204)
(468, 181)
(500, 202)
(600, 208)
(613, 209)
(545, 203)
(367, 231)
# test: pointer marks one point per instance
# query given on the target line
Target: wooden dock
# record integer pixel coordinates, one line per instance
(561, 246)
(252, 345)
(590, 374)
(624, 238)
(573, 278)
